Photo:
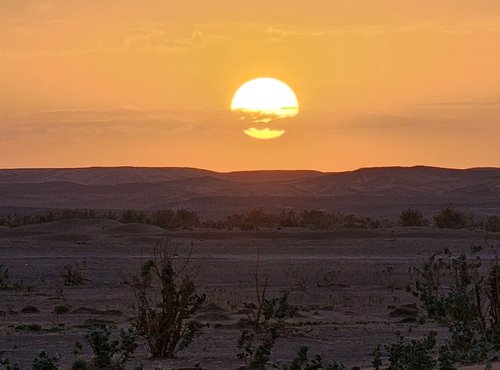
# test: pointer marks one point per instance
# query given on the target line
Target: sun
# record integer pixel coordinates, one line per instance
(262, 101)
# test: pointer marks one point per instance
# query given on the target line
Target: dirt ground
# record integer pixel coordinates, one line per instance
(346, 282)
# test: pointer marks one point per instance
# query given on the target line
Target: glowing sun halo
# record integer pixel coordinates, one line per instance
(262, 101)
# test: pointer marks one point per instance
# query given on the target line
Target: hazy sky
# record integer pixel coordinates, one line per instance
(149, 83)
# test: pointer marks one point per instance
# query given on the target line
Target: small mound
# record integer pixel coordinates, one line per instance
(406, 310)
(30, 309)
(67, 237)
(211, 308)
(212, 312)
(134, 228)
(213, 316)
(95, 311)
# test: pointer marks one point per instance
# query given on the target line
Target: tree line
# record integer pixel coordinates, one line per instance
(313, 219)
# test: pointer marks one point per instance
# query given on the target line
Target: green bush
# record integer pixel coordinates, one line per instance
(6, 364)
(255, 356)
(43, 361)
(413, 354)
(109, 351)
(463, 294)
(302, 362)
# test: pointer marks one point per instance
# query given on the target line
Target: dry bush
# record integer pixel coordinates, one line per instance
(165, 299)
(72, 275)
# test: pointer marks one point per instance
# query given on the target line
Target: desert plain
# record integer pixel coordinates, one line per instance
(350, 286)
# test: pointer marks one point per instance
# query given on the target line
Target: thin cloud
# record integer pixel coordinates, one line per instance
(149, 40)
(460, 103)
(467, 27)
(127, 121)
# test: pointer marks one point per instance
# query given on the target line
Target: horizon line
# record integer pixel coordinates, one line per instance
(249, 170)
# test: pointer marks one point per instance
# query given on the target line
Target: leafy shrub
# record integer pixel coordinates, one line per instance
(163, 314)
(462, 294)
(302, 362)
(450, 218)
(6, 364)
(109, 351)
(414, 354)
(412, 217)
(255, 356)
(43, 361)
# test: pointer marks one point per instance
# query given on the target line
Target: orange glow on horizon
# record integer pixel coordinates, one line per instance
(152, 84)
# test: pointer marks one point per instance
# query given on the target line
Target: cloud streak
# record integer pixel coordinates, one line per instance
(128, 121)
(460, 28)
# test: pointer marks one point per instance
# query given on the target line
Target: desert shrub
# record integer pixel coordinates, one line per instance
(412, 217)
(109, 351)
(450, 218)
(165, 300)
(289, 218)
(251, 220)
(492, 224)
(6, 364)
(277, 310)
(255, 356)
(79, 364)
(178, 219)
(62, 309)
(422, 353)
(133, 216)
(302, 362)
(4, 277)
(28, 327)
(463, 294)
(266, 314)
(315, 219)
(43, 361)
(72, 275)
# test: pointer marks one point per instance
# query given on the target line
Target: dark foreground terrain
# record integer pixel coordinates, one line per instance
(346, 283)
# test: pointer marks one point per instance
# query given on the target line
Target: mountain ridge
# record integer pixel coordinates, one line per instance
(378, 191)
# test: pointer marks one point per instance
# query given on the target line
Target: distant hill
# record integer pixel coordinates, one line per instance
(370, 191)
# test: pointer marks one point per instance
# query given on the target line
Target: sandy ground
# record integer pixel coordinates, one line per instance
(345, 282)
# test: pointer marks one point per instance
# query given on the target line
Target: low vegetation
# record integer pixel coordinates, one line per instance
(450, 218)
(165, 300)
(412, 217)
(72, 275)
(458, 292)
(4, 277)
(461, 293)
(313, 219)
(107, 352)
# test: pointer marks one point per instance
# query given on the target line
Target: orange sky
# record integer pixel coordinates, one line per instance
(149, 83)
